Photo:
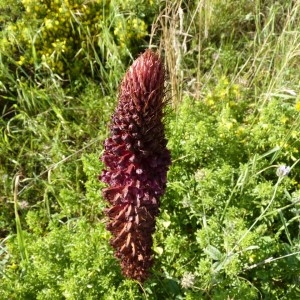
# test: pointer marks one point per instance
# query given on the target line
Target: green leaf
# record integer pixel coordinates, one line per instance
(213, 252)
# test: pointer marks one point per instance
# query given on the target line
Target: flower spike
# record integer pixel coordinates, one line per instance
(137, 161)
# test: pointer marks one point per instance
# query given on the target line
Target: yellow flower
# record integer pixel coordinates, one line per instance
(294, 134)
(13, 266)
(210, 102)
(21, 61)
(236, 90)
(283, 145)
(48, 24)
(240, 130)
(297, 105)
(224, 80)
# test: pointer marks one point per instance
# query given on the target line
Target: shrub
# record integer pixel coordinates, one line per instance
(230, 200)
(72, 38)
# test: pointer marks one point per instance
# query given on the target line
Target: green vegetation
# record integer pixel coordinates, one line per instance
(229, 222)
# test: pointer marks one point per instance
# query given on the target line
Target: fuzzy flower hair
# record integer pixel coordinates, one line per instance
(137, 162)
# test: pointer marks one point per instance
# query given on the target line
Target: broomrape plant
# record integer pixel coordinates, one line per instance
(137, 162)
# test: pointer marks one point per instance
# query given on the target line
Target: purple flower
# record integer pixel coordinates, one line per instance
(283, 171)
(137, 162)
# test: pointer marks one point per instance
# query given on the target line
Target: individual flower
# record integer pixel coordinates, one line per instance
(188, 280)
(283, 171)
(297, 105)
(23, 204)
(137, 162)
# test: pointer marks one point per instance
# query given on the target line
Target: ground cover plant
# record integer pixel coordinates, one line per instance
(228, 226)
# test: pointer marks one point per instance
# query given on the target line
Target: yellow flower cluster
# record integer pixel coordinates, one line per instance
(130, 31)
(62, 28)
(224, 92)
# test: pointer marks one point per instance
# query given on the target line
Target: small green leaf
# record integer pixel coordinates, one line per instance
(213, 252)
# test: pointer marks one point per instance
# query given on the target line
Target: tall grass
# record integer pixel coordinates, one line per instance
(266, 62)
(266, 66)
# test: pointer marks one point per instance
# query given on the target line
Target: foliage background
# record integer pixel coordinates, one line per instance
(229, 222)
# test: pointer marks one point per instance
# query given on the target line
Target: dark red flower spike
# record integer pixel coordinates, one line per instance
(137, 162)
